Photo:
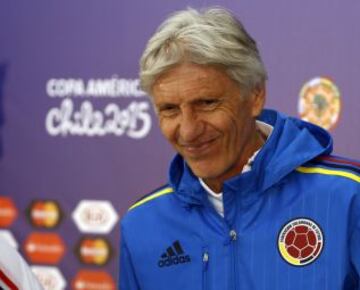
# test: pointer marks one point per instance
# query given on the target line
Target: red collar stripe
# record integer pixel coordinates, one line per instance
(339, 160)
(5, 281)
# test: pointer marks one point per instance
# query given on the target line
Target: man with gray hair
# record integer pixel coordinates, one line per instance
(254, 199)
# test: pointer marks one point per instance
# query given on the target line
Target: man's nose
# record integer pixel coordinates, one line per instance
(191, 126)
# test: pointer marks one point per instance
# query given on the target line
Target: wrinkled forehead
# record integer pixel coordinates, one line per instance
(191, 75)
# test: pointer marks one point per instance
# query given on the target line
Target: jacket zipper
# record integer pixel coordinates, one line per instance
(233, 238)
(205, 262)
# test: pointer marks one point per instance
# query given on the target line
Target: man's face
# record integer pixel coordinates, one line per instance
(203, 114)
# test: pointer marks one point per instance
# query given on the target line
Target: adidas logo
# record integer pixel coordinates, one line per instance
(173, 256)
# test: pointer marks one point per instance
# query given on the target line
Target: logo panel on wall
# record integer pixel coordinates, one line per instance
(93, 280)
(44, 248)
(49, 277)
(9, 237)
(8, 212)
(44, 213)
(94, 251)
(319, 102)
(77, 111)
(93, 216)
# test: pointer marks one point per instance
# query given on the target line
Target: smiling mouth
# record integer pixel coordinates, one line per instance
(198, 149)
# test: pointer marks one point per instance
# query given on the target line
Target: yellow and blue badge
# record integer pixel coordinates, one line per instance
(300, 242)
(319, 102)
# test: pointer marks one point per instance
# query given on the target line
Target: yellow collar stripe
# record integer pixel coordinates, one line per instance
(301, 169)
(329, 172)
(157, 194)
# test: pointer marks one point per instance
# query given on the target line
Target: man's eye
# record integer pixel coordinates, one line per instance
(209, 103)
(168, 110)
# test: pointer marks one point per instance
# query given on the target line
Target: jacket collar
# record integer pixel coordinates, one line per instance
(291, 144)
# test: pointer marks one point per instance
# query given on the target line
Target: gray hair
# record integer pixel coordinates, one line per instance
(210, 37)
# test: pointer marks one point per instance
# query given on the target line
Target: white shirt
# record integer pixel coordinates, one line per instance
(15, 274)
(216, 198)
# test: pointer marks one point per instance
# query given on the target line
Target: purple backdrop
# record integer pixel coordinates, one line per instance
(58, 54)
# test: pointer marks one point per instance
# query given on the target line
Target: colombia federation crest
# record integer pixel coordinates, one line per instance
(300, 242)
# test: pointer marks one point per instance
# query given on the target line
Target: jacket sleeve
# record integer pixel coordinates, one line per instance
(355, 248)
(355, 236)
(127, 277)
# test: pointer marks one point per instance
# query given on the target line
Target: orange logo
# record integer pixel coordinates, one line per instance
(44, 248)
(319, 102)
(94, 251)
(44, 213)
(8, 212)
(93, 280)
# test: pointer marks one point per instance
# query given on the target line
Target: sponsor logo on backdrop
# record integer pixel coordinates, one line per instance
(94, 251)
(44, 248)
(49, 277)
(44, 214)
(8, 212)
(90, 108)
(300, 242)
(319, 102)
(93, 280)
(95, 216)
(9, 237)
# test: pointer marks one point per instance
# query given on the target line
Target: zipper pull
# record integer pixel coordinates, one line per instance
(233, 235)
(205, 259)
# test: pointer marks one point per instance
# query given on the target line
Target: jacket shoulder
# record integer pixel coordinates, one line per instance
(149, 197)
(147, 208)
(333, 165)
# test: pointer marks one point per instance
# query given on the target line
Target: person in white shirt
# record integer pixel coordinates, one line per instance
(15, 273)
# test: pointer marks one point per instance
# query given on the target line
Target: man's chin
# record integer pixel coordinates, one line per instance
(203, 171)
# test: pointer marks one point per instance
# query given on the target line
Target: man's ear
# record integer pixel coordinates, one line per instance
(258, 100)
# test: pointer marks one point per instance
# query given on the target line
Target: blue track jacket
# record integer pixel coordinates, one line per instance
(291, 223)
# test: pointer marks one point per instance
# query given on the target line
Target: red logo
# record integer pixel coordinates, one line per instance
(93, 280)
(44, 213)
(300, 242)
(8, 212)
(94, 251)
(44, 248)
